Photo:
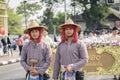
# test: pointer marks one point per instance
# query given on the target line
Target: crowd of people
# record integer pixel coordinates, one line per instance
(8, 44)
(101, 36)
(71, 53)
(5, 45)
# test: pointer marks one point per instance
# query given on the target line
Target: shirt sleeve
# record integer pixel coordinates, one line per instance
(23, 60)
(48, 54)
(56, 65)
(83, 58)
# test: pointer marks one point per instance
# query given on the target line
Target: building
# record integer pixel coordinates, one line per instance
(113, 20)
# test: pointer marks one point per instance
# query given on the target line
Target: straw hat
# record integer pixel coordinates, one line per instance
(33, 25)
(69, 22)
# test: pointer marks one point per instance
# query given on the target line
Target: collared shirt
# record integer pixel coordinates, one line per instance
(113, 38)
(74, 54)
(39, 51)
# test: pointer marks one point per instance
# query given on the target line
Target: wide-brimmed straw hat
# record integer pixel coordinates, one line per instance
(69, 22)
(33, 25)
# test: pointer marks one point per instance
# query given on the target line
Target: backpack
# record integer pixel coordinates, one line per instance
(19, 42)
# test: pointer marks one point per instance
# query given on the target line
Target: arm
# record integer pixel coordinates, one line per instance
(47, 53)
(83, 58)
(23, 60)
(56, 65)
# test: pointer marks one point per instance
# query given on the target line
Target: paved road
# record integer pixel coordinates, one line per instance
(16, 72)
(12, 72)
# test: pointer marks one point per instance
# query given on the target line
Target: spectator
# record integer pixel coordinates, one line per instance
(114, 36)
(14, 44)
(20, 43)
(26, 38)
(9, 45)
(4, 43)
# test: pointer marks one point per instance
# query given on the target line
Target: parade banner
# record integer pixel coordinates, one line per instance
(103, 60)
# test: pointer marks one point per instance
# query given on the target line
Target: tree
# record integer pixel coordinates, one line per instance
(2, 0)
(49, 3)
(1, 10)
(50, 18)
(59, 19)
(53, 22)
(28, 9)
(14, 23)
(94, 13)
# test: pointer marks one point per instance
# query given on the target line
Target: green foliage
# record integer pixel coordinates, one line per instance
(50, 21)
(30, 9)
(1, 11)
(14, 23)
(2, 0)
(49, 3)
(15, 30)
(49, 18)
(95, 14)
(59, 19)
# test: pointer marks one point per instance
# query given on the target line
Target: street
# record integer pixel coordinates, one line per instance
(16, 72)
(12, 72)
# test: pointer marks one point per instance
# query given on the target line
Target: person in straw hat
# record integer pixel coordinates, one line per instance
(71, 54)
(35, 55)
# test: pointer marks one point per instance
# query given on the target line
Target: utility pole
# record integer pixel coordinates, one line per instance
(74, 11)
(25, 13)
(65, 10)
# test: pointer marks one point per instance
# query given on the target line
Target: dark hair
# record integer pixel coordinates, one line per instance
(8, 34)
(98, 32)
(19, 36)
(114, 28)
(91, 32)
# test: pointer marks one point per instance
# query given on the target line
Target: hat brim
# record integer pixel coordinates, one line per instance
(78, 27)
(37, 27)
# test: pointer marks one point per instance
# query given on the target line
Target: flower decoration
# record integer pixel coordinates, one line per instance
(102, 44)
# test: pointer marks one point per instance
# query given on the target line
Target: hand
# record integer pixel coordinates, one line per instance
(33, 71)
(69, 68)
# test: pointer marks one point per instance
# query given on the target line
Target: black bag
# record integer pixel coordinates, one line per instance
(79, 75)
(46, 76)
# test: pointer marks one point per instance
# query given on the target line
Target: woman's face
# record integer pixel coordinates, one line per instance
(115, 32)
(69, 32)
(35, 33)
(44, 33)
